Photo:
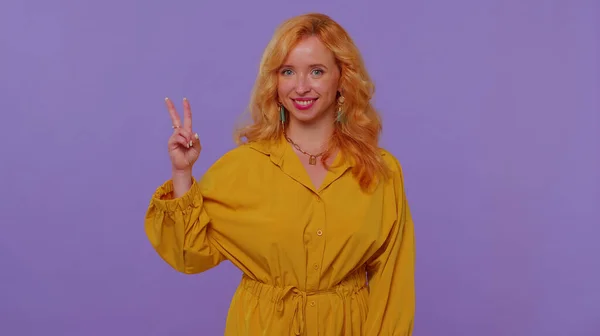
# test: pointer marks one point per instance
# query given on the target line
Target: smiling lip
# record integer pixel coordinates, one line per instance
(304, 103)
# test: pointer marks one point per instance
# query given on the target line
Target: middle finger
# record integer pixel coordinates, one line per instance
(187, 115)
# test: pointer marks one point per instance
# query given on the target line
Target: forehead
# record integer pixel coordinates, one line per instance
(310, 50)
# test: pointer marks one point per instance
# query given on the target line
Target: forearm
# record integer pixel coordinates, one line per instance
(178, 228)
(182, 182)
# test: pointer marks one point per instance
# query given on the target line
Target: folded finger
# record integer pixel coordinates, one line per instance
(185, 133)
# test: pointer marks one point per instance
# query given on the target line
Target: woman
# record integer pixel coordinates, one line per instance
(307, 206)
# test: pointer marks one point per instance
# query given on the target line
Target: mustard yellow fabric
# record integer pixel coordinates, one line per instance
(331, 260)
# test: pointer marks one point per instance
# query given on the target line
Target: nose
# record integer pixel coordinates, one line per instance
(302, 85)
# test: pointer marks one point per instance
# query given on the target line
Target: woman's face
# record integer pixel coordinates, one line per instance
(308, 82)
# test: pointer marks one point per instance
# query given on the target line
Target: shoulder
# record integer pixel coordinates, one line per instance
(391, 161)
(240, 157)
(236, 154)
(243, 158)
(231, 169)
(396, 174)
(396, 177)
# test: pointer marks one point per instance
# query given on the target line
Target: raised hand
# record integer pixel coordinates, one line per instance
(184, 144)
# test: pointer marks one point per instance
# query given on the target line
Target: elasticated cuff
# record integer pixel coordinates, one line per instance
(163, 197)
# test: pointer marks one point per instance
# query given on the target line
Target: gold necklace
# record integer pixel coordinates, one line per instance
(312, 159)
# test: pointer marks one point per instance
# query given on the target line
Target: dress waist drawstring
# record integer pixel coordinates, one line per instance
(299, 298)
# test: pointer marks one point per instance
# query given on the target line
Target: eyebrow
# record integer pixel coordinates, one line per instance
(310, 66)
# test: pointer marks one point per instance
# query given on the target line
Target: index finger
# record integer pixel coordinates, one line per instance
(173, 113)
(187, 115)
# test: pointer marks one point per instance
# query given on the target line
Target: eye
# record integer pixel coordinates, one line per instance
(286, 72)
(317, 72)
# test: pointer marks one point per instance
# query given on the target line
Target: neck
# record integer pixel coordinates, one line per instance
(313, 137)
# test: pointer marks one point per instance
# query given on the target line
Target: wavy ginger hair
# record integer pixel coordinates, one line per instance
(358, 134)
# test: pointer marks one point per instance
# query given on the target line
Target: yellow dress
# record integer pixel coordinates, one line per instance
(331, 261)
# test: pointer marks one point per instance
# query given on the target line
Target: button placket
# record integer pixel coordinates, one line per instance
(314, 259)
(316, 246)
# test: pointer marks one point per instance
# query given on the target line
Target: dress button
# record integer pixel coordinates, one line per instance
(319, 233)
(312, 303)
(315, 266)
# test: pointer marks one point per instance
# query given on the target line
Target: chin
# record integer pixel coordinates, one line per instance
(306, 116)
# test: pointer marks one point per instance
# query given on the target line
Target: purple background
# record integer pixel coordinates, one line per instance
(492, 107)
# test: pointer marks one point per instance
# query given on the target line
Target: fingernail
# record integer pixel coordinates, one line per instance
(196, 136)
(166, 98)
(191, 144)
(184, 98)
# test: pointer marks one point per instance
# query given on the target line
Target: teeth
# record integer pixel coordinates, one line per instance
(304, 102)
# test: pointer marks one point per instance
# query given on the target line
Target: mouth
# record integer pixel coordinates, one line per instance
(304, 103)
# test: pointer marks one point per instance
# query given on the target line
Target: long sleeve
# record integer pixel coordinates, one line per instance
(179, 230)
(391, 274)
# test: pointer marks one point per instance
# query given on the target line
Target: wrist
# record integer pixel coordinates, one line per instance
(182, 181)
(182, 172)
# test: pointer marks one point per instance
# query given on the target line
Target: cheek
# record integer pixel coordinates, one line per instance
(326, 89)
(284, 88)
